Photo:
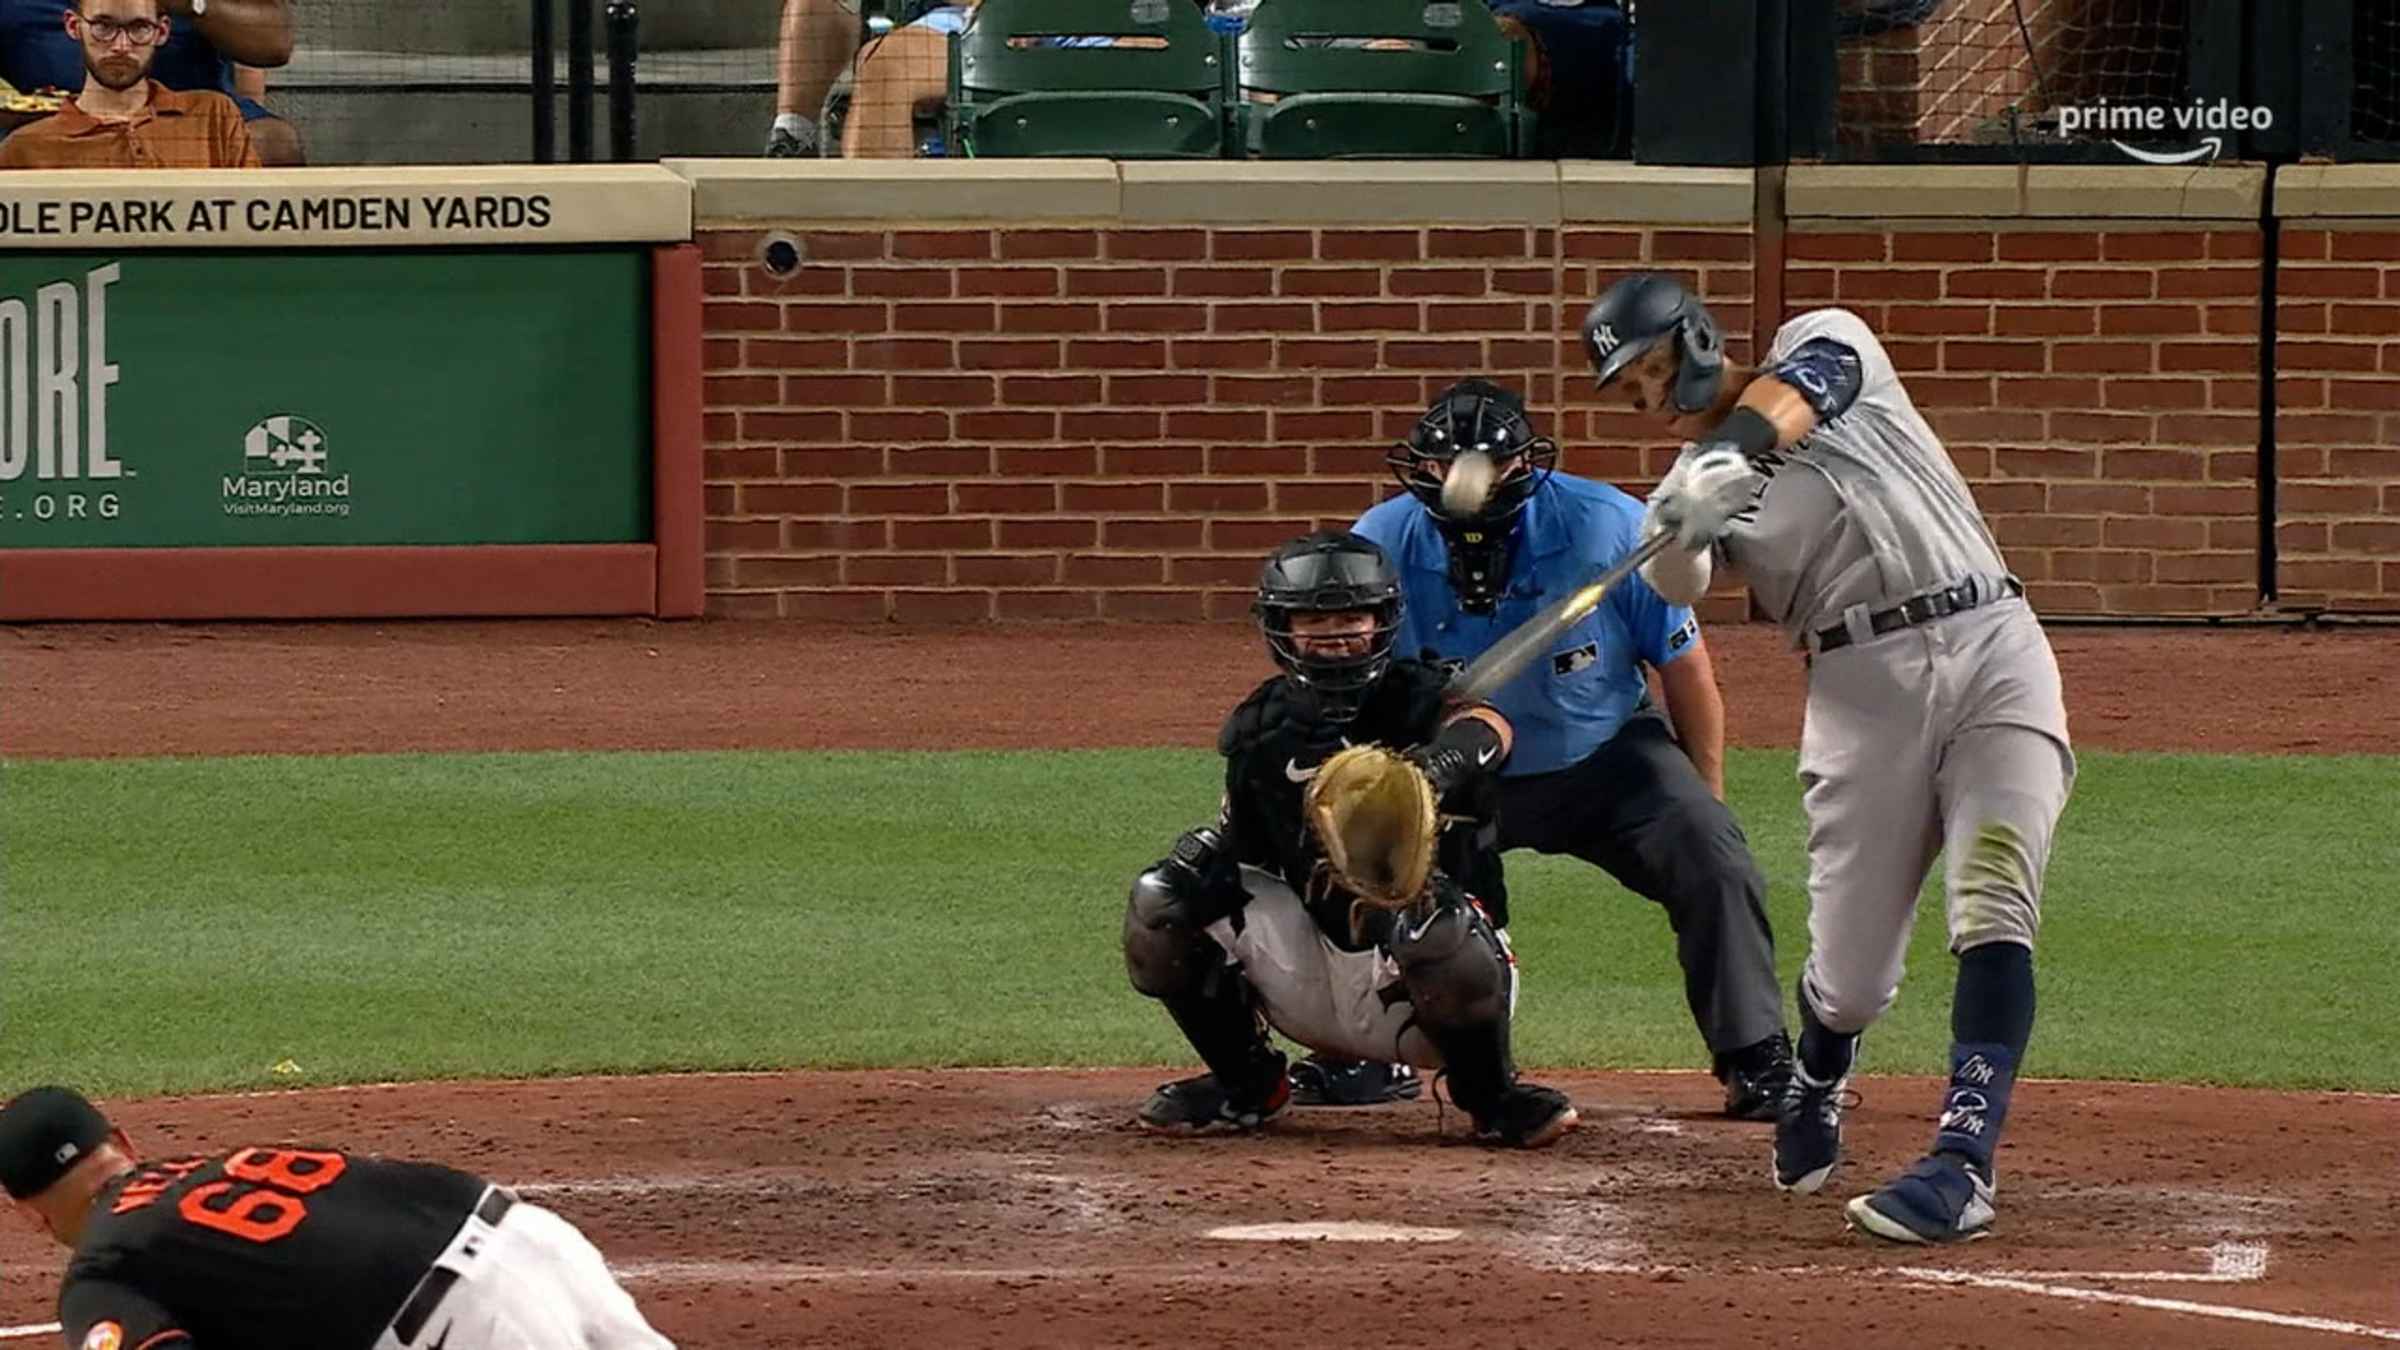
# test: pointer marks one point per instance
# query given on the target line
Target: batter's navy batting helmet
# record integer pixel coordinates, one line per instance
(1475, 415)
(1328, 572)
(1638, 313)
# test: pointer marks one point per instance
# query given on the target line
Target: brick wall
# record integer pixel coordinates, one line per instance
(1073, 423)
(2337, 423)
(2099, 388)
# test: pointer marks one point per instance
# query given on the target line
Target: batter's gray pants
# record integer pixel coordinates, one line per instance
(1950, 737)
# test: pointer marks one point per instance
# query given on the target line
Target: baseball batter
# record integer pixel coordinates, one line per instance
(1237, 926)
(281, 1248)
(1934, 720)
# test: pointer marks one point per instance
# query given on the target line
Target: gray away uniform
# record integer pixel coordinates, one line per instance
(1947, 735)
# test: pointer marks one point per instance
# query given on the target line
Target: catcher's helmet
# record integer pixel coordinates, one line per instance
(1327, 572)
(1475, 415)
(1638, 313)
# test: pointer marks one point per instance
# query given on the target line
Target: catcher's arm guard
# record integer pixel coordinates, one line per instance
(1374, 816)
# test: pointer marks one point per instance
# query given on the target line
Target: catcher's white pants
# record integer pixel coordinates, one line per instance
(1333, 1001)
(1946, 738)
(530, 1282)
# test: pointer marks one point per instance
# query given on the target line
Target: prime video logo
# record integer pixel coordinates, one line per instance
(2155, 121)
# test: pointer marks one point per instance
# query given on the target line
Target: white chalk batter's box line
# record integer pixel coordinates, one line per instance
(2228, 1263)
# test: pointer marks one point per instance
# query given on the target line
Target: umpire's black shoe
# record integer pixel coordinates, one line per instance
(1528, 1116)
(1196, 1105)
(1320, 1080)
(1757, 1078)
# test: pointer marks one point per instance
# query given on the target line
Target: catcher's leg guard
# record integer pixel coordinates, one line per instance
(1460, 982)
(1174, 961)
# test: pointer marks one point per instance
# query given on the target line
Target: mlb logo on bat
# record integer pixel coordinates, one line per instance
(284, 472)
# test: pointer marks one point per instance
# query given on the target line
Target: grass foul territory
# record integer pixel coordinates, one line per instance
(177, 925)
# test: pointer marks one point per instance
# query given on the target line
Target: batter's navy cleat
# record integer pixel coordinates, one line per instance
(1200, 1105)
(1943, 1198)
(1808, 1132)
(1529, 1116)
(1757, 1078)
(1323, 1081)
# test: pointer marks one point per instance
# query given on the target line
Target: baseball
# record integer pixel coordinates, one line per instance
(1467, 485)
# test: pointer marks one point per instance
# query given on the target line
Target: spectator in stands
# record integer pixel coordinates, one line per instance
(1578, 75)
(39, 53)
(123, 119)
(812, 50)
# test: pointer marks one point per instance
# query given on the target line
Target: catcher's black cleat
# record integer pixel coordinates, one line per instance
(1321, 1080)
(1200, 1105)
(1528, 1116)
(1757, 1078)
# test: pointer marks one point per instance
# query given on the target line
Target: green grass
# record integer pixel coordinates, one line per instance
(174, 925)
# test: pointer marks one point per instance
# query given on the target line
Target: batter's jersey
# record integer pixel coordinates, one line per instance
(1866, 510)
(1574, 698)
(1273, 745)
(259, 1249)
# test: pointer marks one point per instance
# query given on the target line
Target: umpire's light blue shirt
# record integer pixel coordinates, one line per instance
(1569, 703)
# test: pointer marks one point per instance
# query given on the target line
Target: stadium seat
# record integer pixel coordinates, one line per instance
(1039, 77)
(1380, 79)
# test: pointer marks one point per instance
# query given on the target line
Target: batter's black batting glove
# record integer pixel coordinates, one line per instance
(1463, 751)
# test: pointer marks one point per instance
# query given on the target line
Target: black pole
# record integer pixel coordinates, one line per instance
(579, 81)
(624, 48)
(545, 81)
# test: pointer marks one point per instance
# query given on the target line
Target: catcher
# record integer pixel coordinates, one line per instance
(1331, 900)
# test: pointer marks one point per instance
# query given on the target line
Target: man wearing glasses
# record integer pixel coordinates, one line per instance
(40, 54)
(124, 119)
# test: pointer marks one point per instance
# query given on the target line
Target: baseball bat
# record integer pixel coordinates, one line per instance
(1508, 657)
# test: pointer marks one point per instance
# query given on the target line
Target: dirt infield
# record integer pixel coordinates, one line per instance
(1017, 1209)
(149, 689)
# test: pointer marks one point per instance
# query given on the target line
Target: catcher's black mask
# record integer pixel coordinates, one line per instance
(1331, 571)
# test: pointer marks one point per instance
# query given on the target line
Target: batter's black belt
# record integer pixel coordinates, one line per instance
(427, 1298)
(1924, 608)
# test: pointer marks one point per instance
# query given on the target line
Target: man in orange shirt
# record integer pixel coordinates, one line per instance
(123, 119)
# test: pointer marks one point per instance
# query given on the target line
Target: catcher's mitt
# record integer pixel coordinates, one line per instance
(1373, 813)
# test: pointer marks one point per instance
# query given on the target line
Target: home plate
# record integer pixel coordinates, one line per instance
(1339, 1231)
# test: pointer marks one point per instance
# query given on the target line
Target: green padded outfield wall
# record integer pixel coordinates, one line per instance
(199, 400)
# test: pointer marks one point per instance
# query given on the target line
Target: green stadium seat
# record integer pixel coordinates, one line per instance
(1380, 79)
(1040, 77)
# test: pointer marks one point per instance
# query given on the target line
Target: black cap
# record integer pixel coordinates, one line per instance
(43, 1132)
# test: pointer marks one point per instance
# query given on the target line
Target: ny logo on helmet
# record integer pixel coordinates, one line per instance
(1604, 339)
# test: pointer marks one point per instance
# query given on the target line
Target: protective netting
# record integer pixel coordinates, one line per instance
(2375, 83)
(2000, 72)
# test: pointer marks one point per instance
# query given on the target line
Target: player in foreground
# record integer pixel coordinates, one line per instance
(294, 1249)
(1934, 721)
(1241, 924)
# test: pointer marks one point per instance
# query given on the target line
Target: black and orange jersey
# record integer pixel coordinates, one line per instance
(261, 1248)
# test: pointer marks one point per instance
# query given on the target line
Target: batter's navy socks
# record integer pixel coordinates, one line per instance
(1825, 1054)
(1976, 1104)
(1994, 998)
